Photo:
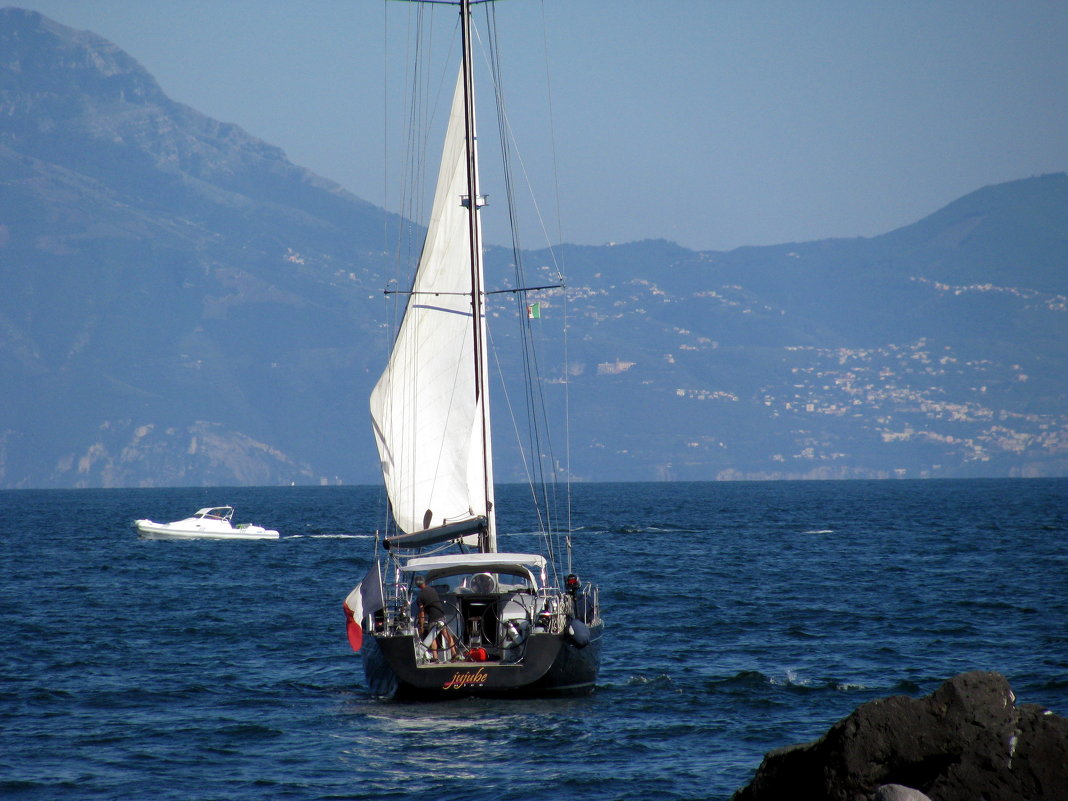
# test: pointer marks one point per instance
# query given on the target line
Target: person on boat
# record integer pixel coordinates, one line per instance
(580, 601)
(432, 620)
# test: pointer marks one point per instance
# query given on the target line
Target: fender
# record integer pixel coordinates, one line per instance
(577, 633)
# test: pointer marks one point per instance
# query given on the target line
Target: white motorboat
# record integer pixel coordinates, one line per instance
(210, 523)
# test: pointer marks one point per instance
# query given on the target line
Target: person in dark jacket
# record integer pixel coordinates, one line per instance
(432, 622)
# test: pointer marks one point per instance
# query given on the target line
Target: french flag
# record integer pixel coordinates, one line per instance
(364, 600)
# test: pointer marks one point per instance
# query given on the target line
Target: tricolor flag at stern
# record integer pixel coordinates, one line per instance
(364, 600)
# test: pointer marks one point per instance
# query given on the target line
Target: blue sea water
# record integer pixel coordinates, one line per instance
(741, 617)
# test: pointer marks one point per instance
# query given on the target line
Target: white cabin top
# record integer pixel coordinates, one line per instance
(531, 566)
(481, 561)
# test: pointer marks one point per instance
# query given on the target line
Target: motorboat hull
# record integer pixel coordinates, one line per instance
(195, 531)
(552, 665)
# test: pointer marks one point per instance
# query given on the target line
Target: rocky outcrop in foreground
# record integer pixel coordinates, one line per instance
(966, 741)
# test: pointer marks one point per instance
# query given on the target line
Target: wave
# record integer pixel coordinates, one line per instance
(629, 529)
(789, 679)
(329, 537)
(641, 680)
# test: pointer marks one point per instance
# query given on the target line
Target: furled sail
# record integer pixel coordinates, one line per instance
(426, 408)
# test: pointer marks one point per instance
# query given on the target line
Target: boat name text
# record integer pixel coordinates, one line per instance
(462, 679)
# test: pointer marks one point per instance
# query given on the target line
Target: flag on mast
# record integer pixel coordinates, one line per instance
(533, 311)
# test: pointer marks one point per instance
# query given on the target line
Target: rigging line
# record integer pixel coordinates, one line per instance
(510, 138)
(517, 250)
(385, 130)
(567, 426)
(552, 125)
(420, 121)
(488, 537)
(384, 510)
(494, 57)
(409, 171)
(494, 64)
(535, 397)
(423, 105)
(536, 404)
(431, 108)
(532, 384)
(534, 200)
(561, 272)
(538, 392)
(416, 74)
(504, 124)
(404, 227)
(518, 436)
(409, 178)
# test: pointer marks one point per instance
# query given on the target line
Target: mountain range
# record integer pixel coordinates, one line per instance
(182, 305)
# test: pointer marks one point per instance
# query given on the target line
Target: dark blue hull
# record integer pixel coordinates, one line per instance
(553, 664)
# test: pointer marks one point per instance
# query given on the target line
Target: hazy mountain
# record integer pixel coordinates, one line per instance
(938, 349)
(176, 292)
(182, 305)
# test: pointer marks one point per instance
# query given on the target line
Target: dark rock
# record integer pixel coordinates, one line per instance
(898, 792)
(966, 741)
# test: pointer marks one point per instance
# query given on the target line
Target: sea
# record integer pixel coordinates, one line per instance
(741, 617)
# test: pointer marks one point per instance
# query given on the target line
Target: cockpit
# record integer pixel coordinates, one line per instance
(490, 605)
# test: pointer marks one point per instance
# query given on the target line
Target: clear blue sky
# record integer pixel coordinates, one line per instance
(713, 124)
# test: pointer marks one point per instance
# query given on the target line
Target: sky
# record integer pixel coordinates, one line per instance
(712, 123)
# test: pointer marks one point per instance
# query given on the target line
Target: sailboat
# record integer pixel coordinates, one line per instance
(443, 612)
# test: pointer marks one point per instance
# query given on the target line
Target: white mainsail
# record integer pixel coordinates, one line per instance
(429, 421)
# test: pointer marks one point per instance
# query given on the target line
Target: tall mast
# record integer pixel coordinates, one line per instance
(488, 539)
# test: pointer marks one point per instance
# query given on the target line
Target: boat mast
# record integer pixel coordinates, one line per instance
(488, 539)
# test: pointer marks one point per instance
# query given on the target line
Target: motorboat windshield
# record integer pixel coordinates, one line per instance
(216, 512)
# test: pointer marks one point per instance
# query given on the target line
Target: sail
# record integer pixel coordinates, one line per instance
(426, 409)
